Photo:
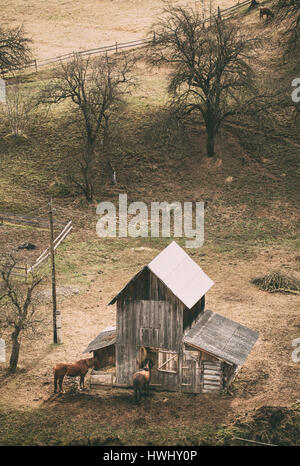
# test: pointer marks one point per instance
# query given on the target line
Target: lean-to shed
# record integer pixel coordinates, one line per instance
(161, 314)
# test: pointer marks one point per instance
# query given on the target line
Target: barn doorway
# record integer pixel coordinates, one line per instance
(151, 353)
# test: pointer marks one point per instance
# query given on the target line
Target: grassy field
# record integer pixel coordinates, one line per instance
(64, 424)
(59, 27)
(251, 191)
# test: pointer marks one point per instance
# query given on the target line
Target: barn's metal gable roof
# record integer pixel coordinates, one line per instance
(181, 275)
(104, 339)
(174, 267)
(222, 337)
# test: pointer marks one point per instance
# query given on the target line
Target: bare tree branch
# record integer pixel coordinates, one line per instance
(288, 12)
(96, 88)
(211, 70)
(17, 306)
(14, 49)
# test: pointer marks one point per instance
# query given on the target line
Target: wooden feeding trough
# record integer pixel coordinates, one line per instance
(161, 314)
(103, 348)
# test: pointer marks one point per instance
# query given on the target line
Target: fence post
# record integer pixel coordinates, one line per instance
(2, 350)
(203, 12)
(58, 326)
(116, 47)
(35, 63)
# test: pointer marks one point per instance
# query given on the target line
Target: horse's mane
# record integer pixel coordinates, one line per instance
(145, 362)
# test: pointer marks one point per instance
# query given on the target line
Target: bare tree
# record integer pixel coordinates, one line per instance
(14, 49)
(288, 12)
(96, 88)
(18, 312)
(20, 107)
(211, 69)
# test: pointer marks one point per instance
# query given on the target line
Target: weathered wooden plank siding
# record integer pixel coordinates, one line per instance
(161, 316)
(144, 323)
(157, 290)
(191, 372)
(190, 315)
(169, 381)
(150, 315)
(212, 382)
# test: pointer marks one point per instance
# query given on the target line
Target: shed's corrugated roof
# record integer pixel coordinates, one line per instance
(105, 338)
(174, 267)
(222, 337)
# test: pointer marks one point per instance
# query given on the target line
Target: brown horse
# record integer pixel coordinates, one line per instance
(265, 12)
(79, 368)
(141, 380)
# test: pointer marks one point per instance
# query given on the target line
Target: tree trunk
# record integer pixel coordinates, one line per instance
(210, 145)
(14, 357)
(87, 174)
(211, 124)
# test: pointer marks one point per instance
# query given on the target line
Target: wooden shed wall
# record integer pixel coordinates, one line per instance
(150, 315)
(145, 323)
(190, 315)
(145, 286)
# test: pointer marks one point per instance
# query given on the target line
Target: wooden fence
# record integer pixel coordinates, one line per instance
(11, 218)
(45, 254)
(116, 47)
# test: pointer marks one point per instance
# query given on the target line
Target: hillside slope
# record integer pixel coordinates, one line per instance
(251, 190)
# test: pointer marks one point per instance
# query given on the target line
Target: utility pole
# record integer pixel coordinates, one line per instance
(203, 12)
(56, 313)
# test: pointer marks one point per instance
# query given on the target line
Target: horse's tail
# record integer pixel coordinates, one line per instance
(55, 379)
(136, 394)
(137, 387)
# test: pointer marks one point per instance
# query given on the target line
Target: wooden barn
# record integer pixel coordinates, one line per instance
(161, 314)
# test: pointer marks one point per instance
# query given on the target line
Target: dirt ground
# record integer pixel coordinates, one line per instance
(269, 376)
(58, 27)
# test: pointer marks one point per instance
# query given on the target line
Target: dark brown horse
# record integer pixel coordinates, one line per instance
(141, 380)
(79, 368)
(265, 12)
